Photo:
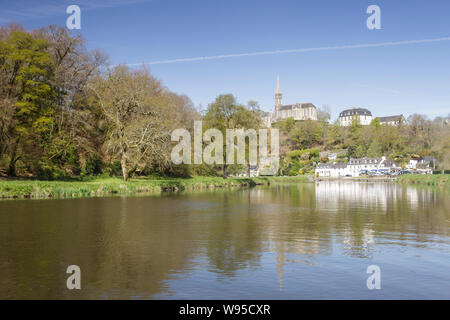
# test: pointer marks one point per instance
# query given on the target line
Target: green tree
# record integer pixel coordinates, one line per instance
(27, 93)
(225, 113)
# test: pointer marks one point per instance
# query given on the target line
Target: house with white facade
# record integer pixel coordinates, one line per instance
(392, 120)
(331, 170)
(423, 165)
(354, 167)
(362, 115)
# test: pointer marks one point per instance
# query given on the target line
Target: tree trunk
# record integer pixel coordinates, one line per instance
(248, 170)
(123, 164)
(225, 174)
(12, 162)
(12, 168)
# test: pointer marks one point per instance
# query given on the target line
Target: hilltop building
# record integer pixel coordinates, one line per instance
(298, 111)
(364, 117)
(392, 120)
(346, 117)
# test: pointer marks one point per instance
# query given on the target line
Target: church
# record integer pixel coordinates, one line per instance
(298, 111)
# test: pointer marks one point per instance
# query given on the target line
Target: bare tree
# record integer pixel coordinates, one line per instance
(137, 113)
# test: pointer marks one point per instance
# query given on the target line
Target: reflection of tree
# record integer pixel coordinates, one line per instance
(233, 237)
(125, 247)
(134, 247)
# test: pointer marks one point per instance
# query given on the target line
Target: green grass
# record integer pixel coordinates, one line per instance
(97, 187)
(436, 180)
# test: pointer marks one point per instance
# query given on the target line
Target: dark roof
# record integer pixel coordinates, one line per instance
(391, 118)
(386, 163)
(427, 160)
(265, 114)
(364, 160)
(336, 165)
(285, 107)
(355, 111)
(302, 105)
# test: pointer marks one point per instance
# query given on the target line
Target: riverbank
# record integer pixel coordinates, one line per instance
(435, 180)
(98, 187)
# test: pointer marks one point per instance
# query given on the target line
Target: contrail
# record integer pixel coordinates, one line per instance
(261, 53)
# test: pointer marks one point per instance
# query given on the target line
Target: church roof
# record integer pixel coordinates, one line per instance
(293, 106)
(391, 118)
(355, 111)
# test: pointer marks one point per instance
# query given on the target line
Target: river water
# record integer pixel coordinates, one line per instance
(293, 241)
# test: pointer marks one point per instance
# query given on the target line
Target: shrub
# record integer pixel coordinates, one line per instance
(93, 166)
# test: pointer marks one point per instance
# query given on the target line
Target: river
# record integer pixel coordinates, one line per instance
(290, 241)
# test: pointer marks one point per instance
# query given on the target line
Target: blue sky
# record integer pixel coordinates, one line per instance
(412, 78)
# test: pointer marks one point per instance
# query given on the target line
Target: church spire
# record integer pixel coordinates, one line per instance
(278, 84)
(278, 94)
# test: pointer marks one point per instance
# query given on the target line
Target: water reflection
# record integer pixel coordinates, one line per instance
(267, 242)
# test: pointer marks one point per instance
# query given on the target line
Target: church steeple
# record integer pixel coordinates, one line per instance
(278, 95)
(278, 84)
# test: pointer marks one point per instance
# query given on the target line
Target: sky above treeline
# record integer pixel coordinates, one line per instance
(210, 47)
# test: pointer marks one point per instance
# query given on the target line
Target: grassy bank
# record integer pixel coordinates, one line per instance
(98, 187)
(438, 180)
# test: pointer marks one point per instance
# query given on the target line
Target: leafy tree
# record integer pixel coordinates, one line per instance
(27, 95)
(225, 113)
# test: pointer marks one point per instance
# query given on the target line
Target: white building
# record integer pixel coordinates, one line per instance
(331, 170)
(363, 116)
(392, 120)
(298, 111)
(423, 165)
(354, 167)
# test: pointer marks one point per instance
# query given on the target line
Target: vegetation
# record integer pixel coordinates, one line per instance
(225, 113)
(96, 187)
(65, 114)
(442, 180)
(417, 137)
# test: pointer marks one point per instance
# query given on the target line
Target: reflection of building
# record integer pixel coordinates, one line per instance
(297, 111)
(360, 244)
(363, 116)
(334, 194)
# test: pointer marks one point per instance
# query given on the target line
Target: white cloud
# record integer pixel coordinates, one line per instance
(260, 53)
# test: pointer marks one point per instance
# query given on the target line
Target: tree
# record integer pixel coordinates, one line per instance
(225, 113)
(135, 109)
(77, 119)
(323, 114)
(27, 94)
